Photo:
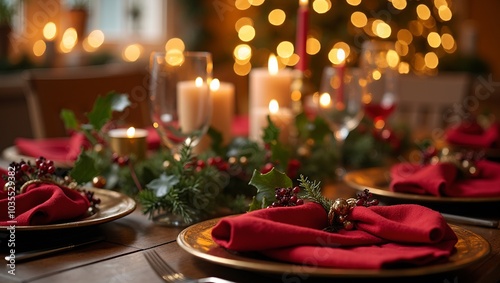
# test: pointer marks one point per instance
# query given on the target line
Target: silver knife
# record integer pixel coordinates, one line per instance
(41, 252)
(471, 220)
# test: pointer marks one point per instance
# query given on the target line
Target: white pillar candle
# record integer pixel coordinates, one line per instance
(222, 95)
(282, 118)
(191, 96)
(264, 86)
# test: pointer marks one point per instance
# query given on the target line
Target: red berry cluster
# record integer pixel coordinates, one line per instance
(93, 201)
(120, 160)
(287, 197)
(365, 199)
(219, 163)
(25, 171)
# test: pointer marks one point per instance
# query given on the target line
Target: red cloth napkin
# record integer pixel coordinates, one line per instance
(385, 236)
(56, 149)
(443, 179)
(472, 134)
(41, 204)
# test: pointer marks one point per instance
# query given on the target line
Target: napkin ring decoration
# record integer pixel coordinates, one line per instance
(464, 160)
(21, 175)
(341, 208)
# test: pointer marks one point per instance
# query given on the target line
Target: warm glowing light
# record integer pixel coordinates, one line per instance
(353, 2)
(359, 19)
(303, 3)
(274, 106)
(416, 28)
(175, 44)
(276, 17)
(431, 60)
(130, 132)
(405, 36)
(376, 75)
(399, 4)
(39, 48)
(214, 85)
(256, 2)
(242, 52)
(379, 124)
(340, 55)
(381, 29)
(444, 13)
(322, 6)
(418, 62)
(423, 12)
(313, 46)
(242, 4)
(272, 64)
(198, 82)
(333, 56)
(132, 52)
(246, 33)
(243, 22)
(434, 39)
(404, 68)
(325, 100)
(439, 3)
(447, 41)
(242, 69)
(95, 38)
(401, 48)
(285, 49)
(392, 58)
(69, 40)
(344, 46)
(49, 31)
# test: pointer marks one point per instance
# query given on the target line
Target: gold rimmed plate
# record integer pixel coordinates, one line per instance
(114, 205)
(197, 240)
(377, 180)
(11, 153)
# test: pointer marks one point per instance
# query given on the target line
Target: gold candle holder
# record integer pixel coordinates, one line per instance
(129, 142)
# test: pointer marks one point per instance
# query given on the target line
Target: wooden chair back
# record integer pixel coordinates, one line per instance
(51, 90)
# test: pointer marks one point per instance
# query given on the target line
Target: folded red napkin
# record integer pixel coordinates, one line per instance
(385, 236)
(443, 179)
(56, 149)
(472, 134)
(42, 204)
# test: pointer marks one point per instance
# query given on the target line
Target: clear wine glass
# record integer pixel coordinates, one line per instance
(378, 62)
(180, 96)
(340, 105)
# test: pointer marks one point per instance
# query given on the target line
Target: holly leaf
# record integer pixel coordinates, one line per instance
(266, 185)
(162, 185)
(271, 132)
(84, 170)
(104, 106)
(69, 119)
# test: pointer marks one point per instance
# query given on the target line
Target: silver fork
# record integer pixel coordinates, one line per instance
(168, 274)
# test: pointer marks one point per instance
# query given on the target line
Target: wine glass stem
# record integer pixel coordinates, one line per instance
(339, 168)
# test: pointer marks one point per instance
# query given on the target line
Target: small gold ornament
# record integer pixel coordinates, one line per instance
(99, 182)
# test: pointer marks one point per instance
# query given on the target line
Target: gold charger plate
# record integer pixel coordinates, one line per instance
(197, 240)
(113, 205)
(12, 154)
(377, 180)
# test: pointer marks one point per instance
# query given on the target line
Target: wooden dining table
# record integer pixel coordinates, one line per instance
(119, 257)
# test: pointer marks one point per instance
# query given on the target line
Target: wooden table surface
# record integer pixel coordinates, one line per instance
(119, 258)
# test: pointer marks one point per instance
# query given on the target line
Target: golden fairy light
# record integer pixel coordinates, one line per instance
(49, 31)
(345, 48)
(242, 69)
(93, 41)
(403, 68)
(392, 58)
(132, 52)
(353, 2)
(242, 52)
(246, 33)
(359, 19)
(433, 39)
(447, 41)
(321, 6)
(69, 40)
(39, 48)
(276, 17)
(431, 60)
(256, 2)
(175, 44)
(423, 12)
(444, 13)
(285, 49)
(313, 46)
(242, 22)
(399, 4)
(405, 36)
(242, 4)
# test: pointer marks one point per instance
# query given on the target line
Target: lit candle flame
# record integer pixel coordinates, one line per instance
(69, 40)
(274, 106)
(198, 82)
(341, 55)
(272, 64)
(131, 132)
(49, 31)
(215, 85)
(303, 3)
(325, 100)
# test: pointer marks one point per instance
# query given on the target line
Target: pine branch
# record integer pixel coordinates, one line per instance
(313, 192)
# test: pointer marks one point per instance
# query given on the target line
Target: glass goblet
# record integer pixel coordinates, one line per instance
(180, 96)
(340, 106)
